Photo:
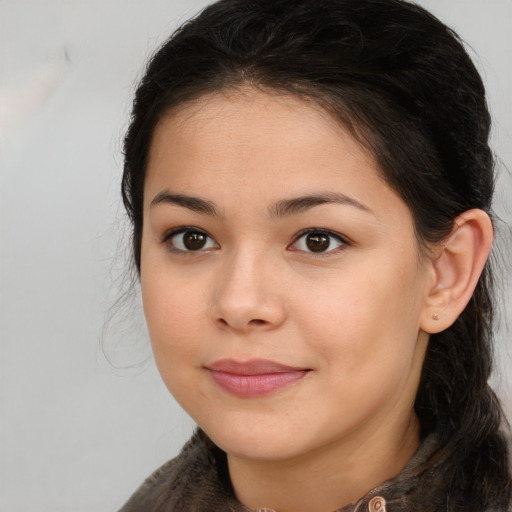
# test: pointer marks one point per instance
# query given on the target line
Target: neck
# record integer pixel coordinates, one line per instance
(329, 478)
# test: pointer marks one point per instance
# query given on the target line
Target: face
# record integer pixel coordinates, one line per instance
(281, 278)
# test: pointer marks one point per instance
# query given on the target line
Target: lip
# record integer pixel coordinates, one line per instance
(254, 378)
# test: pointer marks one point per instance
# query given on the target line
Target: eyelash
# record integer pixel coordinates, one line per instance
(343, 241)
(169, 235)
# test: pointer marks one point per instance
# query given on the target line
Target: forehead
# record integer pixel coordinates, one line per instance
(248, 132)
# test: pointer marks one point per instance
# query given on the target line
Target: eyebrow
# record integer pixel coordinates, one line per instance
(283, 208)
(195, 204)
(294, 206)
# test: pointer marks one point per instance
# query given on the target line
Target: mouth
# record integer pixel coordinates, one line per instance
(254, 378)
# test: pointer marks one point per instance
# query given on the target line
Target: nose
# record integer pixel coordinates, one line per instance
(248, 295)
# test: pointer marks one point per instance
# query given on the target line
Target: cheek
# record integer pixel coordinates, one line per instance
(365, 321)
(176, 327)
(365, 352)
(174, 317)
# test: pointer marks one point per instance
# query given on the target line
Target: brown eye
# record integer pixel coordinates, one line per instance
(317, 242)
(189, 240)
(194, 241)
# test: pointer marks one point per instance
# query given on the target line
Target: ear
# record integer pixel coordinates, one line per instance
(456, 267)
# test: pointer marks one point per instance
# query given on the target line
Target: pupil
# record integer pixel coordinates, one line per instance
(193, 240)
(317, 242)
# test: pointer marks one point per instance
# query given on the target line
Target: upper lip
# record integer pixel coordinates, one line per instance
(252, 367)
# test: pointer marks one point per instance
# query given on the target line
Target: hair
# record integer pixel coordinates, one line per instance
(403, 84)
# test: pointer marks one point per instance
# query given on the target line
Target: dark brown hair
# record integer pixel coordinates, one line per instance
(404, 85)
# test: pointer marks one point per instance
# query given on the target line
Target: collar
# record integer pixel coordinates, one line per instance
(409, 490)
(198, 481)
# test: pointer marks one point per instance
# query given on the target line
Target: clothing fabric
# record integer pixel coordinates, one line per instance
(198, 481)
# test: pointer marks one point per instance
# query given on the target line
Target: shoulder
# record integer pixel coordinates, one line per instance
(193, 481)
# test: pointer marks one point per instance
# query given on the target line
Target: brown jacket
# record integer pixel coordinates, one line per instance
(198, 481)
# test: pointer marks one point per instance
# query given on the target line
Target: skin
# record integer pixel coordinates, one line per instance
(351, 316)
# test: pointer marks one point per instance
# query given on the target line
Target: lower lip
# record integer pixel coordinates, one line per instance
(251, 386)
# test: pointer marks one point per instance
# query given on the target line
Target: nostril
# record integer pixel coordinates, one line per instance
(257, 321)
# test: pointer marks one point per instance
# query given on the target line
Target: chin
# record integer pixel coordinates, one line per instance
(255, 441)
(264, 449)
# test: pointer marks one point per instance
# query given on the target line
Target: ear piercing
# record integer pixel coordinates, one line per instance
(435, 316)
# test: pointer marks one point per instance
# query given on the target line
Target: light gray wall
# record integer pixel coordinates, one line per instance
(76, 433)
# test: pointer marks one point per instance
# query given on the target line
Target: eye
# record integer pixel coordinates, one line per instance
(318, 241)
(189, 240)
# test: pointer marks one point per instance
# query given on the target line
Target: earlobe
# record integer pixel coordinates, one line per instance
(456, 267)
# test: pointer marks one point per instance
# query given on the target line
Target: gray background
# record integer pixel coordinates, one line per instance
(79, 429)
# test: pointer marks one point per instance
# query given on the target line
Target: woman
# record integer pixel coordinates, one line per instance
(309, 184)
